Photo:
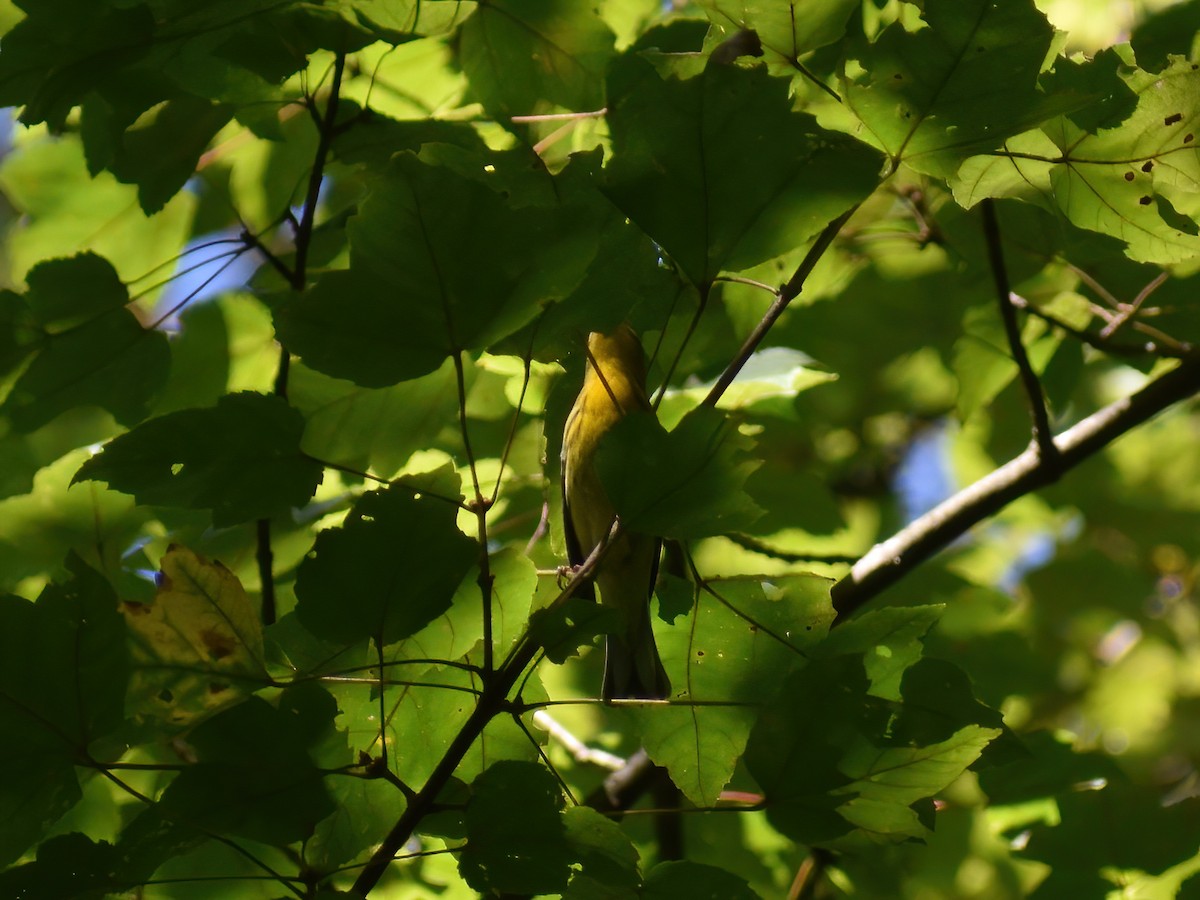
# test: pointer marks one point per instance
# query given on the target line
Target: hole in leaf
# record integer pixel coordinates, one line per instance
(176, 468)
(1147, 166)
(1173, 118)
(1144, 201)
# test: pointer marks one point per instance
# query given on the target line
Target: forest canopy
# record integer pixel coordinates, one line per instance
(295, 303)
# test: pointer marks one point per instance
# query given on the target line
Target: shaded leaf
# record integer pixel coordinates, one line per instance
(682, 152)
(63, 670)
(608, 860)
(254, 778)
(519, 56)
(94, 352)
(516, 839)
(407, 303)
(240, 459)
(691, 879)
(390, 569)
(685, 483)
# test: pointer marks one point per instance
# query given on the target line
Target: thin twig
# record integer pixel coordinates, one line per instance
(493, 701)
(580, 751)
(1113, 348)
(328, 123)
(299, 277)
(1042, 434)
(1128, 310)
(786, 295)
(755, 545)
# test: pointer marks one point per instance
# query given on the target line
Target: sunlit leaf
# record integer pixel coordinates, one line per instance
(519, 55)
(967, 80)
(727, 657)
(198, 647)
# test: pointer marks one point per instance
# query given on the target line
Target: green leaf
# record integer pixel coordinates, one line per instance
(1136, 178)
(1051, 768)
(59, 51)
(221, 459)
(376, 429)
(567, 627)
(254, 778)
(735, 649)
(786, 29)
(456, 632)
(399, 19)
(682, 153)
(62, 292)
(65, 210)
(1165, 32)
(67, 866)
(407, 302)
(390, 569)
(1098, 77)
(63, 670)
(691, 879)
(520, 56)
(96, 351)
(516, 838)
(38, 528)
(854, 772)
(686, 483)
(608, 860)
(933, 96)
(889, 641)
(1118, 824)
(161, 153)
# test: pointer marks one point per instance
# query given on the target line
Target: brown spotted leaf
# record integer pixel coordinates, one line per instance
(198, 647)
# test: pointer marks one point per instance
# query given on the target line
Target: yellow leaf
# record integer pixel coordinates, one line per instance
(198, 647)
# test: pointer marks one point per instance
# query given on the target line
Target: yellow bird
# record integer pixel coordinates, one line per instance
(614, 384)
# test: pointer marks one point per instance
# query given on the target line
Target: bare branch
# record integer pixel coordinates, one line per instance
(887, 562)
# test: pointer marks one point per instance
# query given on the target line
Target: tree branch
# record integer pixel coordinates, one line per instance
(1042, 434)
(785, 295)
(1113, 348)
(493, 700)
(888, 561)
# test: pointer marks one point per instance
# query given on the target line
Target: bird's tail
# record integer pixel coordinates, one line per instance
(632, 667)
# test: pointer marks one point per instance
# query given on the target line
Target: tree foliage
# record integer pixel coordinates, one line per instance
(294, 308)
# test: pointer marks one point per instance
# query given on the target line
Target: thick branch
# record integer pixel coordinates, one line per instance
(887, 562)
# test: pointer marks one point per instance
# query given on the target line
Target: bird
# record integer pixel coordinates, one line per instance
(614, 384)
